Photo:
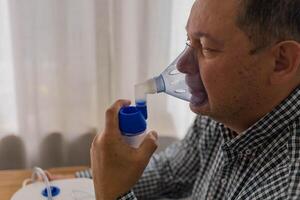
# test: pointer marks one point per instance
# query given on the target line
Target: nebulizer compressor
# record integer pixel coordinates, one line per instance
(74, 188)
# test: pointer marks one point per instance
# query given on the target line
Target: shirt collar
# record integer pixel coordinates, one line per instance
(249, 141)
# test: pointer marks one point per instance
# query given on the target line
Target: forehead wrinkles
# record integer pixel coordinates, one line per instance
(213, 14)
(218, 20)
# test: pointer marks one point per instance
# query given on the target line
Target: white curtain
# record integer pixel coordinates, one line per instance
(62, 62)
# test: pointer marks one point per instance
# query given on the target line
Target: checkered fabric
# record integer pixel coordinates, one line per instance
(211, 162)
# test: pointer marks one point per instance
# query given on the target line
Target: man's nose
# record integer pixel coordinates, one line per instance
(187, 62)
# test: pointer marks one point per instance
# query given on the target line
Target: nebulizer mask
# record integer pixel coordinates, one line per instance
(174, 83)
(186, 86)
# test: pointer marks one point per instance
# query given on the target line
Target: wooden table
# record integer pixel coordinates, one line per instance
(11, 180)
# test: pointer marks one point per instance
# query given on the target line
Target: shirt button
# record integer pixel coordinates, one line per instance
(209, 196)
(248, 152)
(224, 181)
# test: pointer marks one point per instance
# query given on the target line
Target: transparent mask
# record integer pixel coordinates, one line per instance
(170, 81)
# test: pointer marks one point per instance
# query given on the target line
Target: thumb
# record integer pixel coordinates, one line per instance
(149, 144)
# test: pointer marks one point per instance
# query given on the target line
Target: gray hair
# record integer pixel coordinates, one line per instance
(267, 21)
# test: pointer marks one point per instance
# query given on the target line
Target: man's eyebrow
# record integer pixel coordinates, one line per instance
(200, 34)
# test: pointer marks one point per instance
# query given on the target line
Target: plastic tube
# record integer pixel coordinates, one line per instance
(38, 172)
(142, 89)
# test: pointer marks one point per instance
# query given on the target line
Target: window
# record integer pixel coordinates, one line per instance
(8, 121)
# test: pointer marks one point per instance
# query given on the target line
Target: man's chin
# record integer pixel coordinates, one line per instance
(202, 108)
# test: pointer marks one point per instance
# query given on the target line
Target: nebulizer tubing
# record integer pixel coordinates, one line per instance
(38, 172)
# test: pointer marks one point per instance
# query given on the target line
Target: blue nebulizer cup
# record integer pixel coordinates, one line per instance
(133, 124)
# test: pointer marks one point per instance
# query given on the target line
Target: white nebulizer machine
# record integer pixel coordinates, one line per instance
(132, 119)
(67, 189)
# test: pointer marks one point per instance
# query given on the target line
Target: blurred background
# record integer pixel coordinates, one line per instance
(63, 62)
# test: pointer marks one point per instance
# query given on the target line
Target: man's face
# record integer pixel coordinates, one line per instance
(235, 81)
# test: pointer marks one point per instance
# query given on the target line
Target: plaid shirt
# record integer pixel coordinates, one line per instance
(263, 162)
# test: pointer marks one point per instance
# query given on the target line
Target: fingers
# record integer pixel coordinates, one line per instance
(111, 115)
(149, 144)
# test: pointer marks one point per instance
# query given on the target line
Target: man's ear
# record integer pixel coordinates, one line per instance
(287, 62)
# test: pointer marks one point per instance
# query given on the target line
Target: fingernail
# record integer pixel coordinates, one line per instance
(154, 135)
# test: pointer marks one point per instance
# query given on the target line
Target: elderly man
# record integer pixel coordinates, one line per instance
(245, 142)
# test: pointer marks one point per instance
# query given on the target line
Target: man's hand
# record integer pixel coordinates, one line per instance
(116, 166)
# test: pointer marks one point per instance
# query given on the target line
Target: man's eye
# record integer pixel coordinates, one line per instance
(207, 50)
(204, 49)
(209, 53)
